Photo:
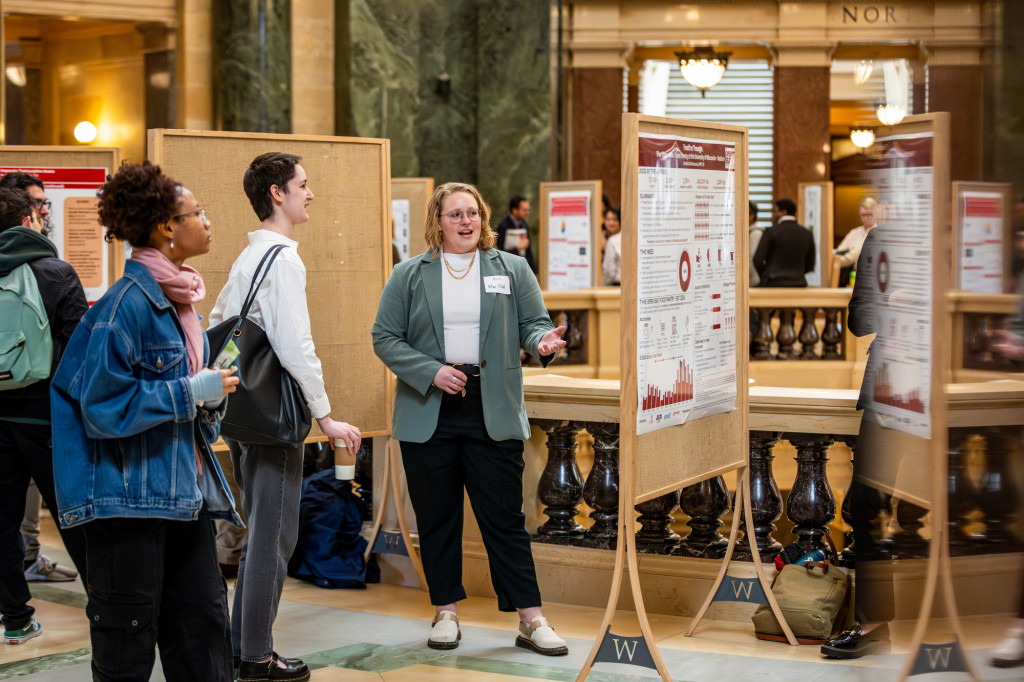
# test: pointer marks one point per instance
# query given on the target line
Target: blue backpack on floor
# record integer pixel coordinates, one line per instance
(330, 550)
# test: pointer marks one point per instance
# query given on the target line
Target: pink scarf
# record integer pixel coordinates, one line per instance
(183, 286)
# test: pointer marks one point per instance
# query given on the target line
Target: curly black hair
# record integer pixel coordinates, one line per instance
(135, 201)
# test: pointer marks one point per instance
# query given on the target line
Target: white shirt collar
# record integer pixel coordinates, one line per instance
(262, 235)
(786, 217)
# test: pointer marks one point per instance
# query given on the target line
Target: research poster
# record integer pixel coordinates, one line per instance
(981, 242)
(74, 223)
(812, 220)
(686, 280)
(401, 217)
(570, 236)
(897, 384)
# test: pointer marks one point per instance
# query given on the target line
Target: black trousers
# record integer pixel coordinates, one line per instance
(157, 582)
(460, 455)
(25, 454)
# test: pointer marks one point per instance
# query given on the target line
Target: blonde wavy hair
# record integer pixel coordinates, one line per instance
(432, 229)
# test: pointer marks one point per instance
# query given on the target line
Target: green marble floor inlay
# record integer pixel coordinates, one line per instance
(57, 595)
(378, 658)
(41, 664)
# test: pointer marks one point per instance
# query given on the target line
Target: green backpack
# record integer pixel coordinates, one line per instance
(26, 346)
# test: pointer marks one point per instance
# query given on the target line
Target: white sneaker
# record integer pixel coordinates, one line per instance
(539, 636)
(46, 569)
(444, 631)
(1010, 651)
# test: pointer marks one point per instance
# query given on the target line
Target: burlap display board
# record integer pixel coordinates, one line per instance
(70, 157)
(548, 232)
(345, 245)
(417, 191)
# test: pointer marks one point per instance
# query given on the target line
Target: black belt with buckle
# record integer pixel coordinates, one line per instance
(468, 370)
(471, 372)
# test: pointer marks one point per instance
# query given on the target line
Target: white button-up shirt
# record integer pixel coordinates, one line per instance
(280, 310)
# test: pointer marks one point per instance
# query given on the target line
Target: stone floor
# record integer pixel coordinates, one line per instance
(379, 634)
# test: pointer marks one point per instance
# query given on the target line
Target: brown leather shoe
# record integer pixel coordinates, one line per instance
(267, 671)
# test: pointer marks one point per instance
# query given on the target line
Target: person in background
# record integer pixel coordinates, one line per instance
(786, 250)
(450, 324)
(36, 191)
(611, 263)
(38, 566)
(270, 477)
(518, 212)
(137, 412)
(754, 234)
(849, 248)
(26, 437)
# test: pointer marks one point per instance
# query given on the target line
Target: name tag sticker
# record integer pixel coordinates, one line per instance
(497, 284)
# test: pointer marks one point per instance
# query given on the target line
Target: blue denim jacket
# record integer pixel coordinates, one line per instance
(125, 421)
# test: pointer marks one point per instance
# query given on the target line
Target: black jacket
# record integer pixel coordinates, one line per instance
(508, 224)
(785, 253)
(64, 300)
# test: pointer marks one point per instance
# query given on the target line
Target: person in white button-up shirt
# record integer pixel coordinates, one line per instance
(270, 477)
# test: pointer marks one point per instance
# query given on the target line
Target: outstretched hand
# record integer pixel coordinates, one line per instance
(552, 341)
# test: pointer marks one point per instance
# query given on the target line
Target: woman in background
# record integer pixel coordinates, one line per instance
(611, 266)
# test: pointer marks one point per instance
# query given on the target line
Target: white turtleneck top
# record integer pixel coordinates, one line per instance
(461, 305)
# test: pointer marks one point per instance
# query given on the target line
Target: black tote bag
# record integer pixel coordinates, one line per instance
(268, 408)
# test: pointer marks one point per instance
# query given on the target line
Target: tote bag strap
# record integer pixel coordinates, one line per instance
(257, 281)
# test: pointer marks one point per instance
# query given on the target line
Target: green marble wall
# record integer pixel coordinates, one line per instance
(252, 65)
(490, 124)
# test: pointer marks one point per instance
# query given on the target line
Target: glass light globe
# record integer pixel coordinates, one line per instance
(862, 138)
(890, 114)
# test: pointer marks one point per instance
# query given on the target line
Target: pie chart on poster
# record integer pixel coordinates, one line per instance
(883, 272)
(685, 272)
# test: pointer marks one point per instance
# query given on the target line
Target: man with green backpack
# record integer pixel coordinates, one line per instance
(41, 303)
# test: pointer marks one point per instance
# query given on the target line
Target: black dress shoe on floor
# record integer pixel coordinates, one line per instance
(293, 669)
(854, 643)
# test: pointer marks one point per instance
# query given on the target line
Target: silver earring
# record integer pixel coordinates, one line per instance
(172, 245)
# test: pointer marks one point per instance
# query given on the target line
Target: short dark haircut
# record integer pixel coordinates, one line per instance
(265, 171)
(15, 206)
(786, 205)
(21, 181)
(752, 208)
(514, 202)
(136, 200)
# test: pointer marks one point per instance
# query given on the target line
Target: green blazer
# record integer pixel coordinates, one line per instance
(408, 335)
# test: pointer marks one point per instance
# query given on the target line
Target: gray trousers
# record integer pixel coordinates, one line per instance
(270, 481)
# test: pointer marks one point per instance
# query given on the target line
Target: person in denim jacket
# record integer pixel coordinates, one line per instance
(134, 413)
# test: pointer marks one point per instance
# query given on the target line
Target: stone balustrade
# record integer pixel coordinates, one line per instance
(798, 337)
(820, 427)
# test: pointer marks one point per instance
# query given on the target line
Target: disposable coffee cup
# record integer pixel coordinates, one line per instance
(343, 472)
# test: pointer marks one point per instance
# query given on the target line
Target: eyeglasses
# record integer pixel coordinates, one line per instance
(40, 204)
(456, 216)
(201, 212)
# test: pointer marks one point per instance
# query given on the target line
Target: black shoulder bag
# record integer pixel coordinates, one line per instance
(268, 408)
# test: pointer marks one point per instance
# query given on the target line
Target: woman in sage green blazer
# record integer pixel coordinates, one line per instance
(450, 324)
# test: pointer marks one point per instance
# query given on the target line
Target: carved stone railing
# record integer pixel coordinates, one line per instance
(799, 324)
(976, 318)
(798, 337)
(821, 426)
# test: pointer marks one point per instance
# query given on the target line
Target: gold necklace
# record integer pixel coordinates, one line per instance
(452, 271)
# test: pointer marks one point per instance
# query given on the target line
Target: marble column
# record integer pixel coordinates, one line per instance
(956, 83)
(596, 126)
(252, 61)
(802, 139)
